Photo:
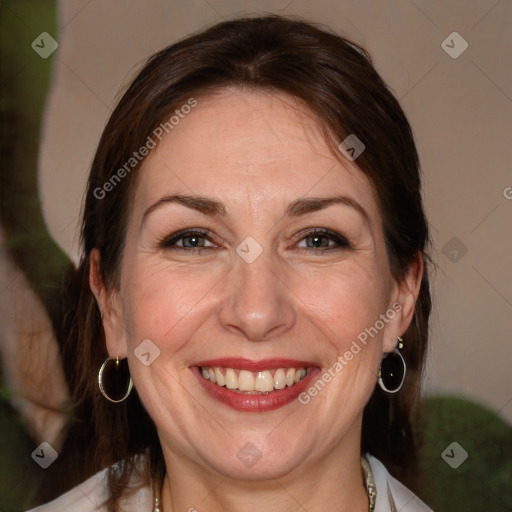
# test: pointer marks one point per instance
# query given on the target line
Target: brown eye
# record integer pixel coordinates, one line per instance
(317, 241)
(322, 240)
(187, 240)
(193, 241)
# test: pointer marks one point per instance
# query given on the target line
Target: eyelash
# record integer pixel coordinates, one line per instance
(169, 242)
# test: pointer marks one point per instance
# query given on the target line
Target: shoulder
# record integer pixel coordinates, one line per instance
(391, 494)
(91, 496)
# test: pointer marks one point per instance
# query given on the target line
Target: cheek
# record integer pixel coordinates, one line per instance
(345, 302)
(341, 306)
(161, 303)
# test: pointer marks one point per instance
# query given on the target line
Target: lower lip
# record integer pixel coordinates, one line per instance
(255, 403)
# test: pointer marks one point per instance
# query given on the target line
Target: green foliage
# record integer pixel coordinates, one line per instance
(24, 83)
(483, 482)
(19, 474)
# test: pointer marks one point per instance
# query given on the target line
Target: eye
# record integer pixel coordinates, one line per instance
(191, 240)
(320, 240)
(196, 240)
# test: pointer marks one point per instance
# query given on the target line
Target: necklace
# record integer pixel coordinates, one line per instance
(156, 503)
(369, 483)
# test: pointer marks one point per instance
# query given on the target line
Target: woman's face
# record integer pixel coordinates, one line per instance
(283, 265)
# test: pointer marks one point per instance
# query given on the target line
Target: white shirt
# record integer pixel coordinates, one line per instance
(392, 496)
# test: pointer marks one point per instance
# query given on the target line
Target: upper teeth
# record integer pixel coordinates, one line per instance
(243, 380)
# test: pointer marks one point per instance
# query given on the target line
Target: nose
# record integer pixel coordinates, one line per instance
(258, 305)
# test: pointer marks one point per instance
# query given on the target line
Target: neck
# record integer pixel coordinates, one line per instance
(333, 482)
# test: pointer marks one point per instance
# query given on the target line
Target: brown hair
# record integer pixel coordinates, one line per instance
(336, 80)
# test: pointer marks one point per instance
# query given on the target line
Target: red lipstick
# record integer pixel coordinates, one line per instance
(255, 402)
(255, 366)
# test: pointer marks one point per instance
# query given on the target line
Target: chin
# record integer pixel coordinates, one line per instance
(258, 457)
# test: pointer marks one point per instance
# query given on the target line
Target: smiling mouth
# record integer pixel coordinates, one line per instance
(254, 383)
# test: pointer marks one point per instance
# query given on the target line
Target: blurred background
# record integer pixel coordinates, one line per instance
(62, 64)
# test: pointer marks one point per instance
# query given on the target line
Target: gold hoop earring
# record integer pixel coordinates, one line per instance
(111, 373)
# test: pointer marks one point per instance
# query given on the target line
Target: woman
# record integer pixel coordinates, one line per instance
(254, 256)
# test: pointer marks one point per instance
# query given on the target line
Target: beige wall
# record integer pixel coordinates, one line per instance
(460, 110)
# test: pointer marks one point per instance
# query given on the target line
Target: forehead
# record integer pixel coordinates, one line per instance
(253, 146)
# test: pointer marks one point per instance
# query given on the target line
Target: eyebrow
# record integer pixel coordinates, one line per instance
(204, 205)
(315, 204)
(212, 207)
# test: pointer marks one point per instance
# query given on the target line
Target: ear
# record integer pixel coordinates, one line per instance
(111, 310)
(404, 295)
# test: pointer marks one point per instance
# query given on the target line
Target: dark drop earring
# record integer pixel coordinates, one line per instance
(392, 370)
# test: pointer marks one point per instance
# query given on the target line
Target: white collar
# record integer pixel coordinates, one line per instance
(392, 496)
